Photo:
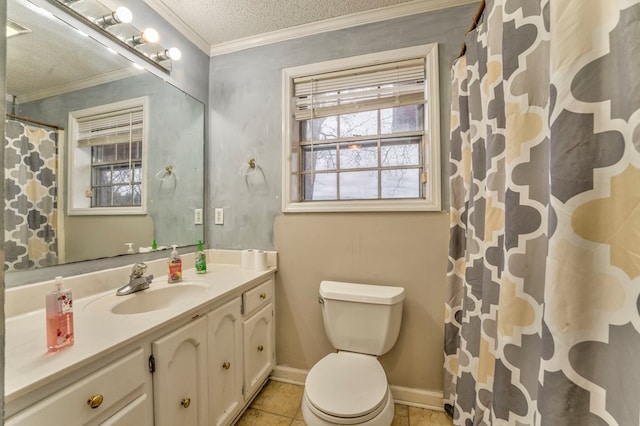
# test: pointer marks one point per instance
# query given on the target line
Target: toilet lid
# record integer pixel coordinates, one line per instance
(346, 384)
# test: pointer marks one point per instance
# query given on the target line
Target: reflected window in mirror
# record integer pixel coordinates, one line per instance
(107, 158)
(116, 174)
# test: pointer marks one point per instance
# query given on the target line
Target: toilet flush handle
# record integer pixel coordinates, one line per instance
(320, 300)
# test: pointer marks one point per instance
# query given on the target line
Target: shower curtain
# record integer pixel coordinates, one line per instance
(542, 314)
(30, 189)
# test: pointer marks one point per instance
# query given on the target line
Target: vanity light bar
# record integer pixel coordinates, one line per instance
(123, 15)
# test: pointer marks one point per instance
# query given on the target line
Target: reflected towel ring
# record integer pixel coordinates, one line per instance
(248, 168)
(168, 174)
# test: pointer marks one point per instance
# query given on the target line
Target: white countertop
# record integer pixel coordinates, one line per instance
(99, 332)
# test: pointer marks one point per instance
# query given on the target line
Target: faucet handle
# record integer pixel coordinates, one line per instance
(138, 270)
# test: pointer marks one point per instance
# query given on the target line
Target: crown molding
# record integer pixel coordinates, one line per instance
(338, 23)
(76, 85)
(159, 7)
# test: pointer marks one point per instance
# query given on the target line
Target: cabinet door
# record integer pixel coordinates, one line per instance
(224, 338)
(180, 379)
(259, 359)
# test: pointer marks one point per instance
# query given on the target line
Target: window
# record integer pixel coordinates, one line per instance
(116, 174)
(361, 134)
(108, 159)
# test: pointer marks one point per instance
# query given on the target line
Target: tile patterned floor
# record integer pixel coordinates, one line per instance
(279, 404)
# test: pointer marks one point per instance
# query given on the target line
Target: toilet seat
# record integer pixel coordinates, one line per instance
(347, 387)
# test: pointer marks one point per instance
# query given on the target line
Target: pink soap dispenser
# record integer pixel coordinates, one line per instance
(59, 311)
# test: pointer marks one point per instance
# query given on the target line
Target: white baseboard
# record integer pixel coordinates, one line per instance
(418, 397)
(285, 374)
(402, 395)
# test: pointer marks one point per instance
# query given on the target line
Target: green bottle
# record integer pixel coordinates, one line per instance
(201, 260)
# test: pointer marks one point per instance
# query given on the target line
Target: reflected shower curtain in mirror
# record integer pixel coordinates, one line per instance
(541, 318)
(30, 189)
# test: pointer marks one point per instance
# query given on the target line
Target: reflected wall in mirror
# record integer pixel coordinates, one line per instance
(54, 71)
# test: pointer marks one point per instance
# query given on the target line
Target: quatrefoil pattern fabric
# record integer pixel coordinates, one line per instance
(30, 189)
(542, 323)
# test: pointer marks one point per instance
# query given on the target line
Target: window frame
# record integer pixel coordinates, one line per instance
(80, 165)
(431, 138)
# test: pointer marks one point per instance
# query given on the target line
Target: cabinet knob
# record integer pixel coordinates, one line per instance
(186, 402)
(95, 401)
(226, 365)
(263, 295)
(260, 348)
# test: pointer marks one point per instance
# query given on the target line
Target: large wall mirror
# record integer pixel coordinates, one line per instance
(70, 197)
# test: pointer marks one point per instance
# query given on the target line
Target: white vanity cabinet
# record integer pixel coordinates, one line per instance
(113, 394)
(258, 333)
(200, 368)
(180, 377)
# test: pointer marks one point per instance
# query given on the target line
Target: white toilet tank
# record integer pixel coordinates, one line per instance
(361, 318)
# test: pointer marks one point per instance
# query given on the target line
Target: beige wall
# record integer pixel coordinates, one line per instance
(402, 249)
(95, 237)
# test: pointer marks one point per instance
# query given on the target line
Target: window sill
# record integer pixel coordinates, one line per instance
(107, 211)
(362, 206)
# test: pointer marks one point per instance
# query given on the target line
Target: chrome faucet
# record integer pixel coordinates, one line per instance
(137, 280)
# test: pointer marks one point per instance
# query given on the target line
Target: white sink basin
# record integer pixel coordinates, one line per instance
(151, 299)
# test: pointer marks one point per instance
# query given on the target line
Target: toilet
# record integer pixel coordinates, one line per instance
(350, 387)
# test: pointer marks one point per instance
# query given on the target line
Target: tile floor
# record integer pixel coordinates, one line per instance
(279, 404)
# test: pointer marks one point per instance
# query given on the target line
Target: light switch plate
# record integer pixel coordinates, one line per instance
(218, 216)
(197, 216)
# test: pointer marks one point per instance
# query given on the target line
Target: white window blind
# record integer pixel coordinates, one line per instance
(110, 128)
(387, 85)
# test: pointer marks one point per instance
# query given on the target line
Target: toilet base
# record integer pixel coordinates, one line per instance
(385, 418)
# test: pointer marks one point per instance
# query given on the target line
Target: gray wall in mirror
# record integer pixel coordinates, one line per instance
(190, 76)
(175, 137)
(245, 104)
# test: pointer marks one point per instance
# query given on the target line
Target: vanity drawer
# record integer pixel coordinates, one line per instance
(107, 386)
(257, 297)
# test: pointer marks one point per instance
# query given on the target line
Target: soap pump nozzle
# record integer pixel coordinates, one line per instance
(59, 283)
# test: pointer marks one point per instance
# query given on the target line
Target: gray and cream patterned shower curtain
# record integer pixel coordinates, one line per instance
(542, 323)
(30, 189)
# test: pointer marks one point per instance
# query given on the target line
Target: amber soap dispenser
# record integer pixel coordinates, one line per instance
(175, 266)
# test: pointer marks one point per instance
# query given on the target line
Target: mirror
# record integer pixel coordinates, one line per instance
(53, 70)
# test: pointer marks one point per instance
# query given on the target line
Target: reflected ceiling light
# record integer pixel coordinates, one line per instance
(13, 28)
(173, 54)
(121, 15)
(147, 36)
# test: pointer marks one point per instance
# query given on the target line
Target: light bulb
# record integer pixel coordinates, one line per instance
(118, 16)
(123, 14)
(150, 35)
(168, 54)
(174, 53)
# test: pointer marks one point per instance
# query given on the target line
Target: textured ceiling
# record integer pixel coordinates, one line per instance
(53, 56)
(219, 21)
